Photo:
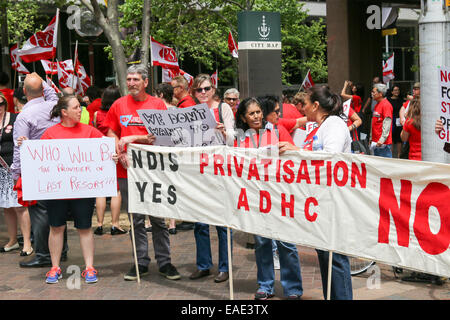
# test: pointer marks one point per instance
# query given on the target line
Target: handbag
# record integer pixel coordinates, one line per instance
(359, 146)
(404, 152)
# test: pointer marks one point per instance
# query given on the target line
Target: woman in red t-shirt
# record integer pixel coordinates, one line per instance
(69, 110)
(411, 130)
(110, 95)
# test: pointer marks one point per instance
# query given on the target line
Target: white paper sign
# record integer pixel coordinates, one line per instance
(186, 127)
(68, 168)
(444, 102)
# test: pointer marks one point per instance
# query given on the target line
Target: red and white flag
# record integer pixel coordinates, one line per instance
(66, 74)
(232, 46)
(163, 56)
(84, 81)
(16, 62)
(169, 74)
(215, 79)
(308, 81)
(52, 84)
(42, 45)
(50, 67)
(388, 69)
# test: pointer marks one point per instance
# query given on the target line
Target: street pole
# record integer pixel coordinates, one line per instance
(6, 62)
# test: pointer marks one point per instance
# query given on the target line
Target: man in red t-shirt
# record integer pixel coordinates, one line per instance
(180, 92)
(126, 126)
(381, 133)
(7, 92)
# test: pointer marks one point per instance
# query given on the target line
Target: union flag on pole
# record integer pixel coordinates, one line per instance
(169, 74)
(41, 45)
(388, 69)
(66, 74)
(52, 84)
(308, 81)
(163, 56)
(215, 79)
(50, 67)
(232, 46)
(16, 62)
(84, 81)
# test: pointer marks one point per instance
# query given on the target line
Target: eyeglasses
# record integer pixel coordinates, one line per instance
(200, 90)
(3, 103)
(277, 111)
(231, 99)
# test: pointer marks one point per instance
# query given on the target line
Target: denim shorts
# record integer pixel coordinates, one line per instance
(80, 209)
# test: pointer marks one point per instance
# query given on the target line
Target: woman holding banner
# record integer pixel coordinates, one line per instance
(332, 135)
(69, 110)
(203, 90)
(249, 119)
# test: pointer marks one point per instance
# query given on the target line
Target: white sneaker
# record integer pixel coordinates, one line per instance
(276, 262)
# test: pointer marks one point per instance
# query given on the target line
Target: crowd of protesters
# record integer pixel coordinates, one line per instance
(388, 122)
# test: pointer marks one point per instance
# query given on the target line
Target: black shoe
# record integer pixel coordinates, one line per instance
(199, 274)
(173, 230)
(221, 277)
(148, 229)
(37, 262)
(184, 226)
(169, 271)
(115, 231)
(261, 295)
(98, 231)
(132, 275)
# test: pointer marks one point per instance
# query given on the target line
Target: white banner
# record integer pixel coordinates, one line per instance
(68, 168)
(389, 210)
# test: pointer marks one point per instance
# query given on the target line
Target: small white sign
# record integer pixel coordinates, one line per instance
(68, 168)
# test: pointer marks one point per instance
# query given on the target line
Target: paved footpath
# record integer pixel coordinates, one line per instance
(113, 259)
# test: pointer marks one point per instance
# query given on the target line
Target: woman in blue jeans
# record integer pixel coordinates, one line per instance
(332, 135)
(249, 115)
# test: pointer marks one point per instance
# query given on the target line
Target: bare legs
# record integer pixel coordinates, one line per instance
(12, 215)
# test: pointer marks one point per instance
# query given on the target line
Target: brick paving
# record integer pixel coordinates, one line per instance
(113, 259)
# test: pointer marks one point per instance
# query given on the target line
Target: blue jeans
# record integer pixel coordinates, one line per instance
(203, 242)
(383, 151)
(290, 274)
(341, 279)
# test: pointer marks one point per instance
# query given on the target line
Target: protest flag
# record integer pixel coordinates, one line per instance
(308, 81)
(163, 56)
(16, 62)
(65, 74)
(41, 45)
(52, 84)
(232, 46)
(388, 69)
(169, 74)
(215, 79)
(50, 67)
(84, 81)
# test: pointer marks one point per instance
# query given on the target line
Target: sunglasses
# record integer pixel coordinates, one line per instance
(200, 90)
(277, 111)
(3, 103)
(231, 99)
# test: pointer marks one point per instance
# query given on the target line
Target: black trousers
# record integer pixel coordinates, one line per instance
(41, 230)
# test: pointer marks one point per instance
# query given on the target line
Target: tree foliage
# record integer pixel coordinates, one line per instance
(198, 31)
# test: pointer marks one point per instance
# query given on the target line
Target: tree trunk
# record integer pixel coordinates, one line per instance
(110, 26)
(6, 62)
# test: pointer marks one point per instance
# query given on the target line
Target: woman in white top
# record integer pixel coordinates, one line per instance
(325, 108)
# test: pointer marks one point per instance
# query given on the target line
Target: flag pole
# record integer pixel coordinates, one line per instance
(230, 263)
(330, 270)
(75, 55)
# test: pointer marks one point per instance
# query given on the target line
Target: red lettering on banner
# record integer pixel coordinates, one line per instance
(303, 173)
(264, 195)
(340, 165)
(253, 170)
(329, 174)
(203, 162)
(243, 201)
(218, 164)
(287, 205)
(229, 164)
(317, 164)
(401, 214)
(240, 167)
(437, 195)
(445, 77)
(266, 163)
(444, 106)
(278, 174)
(361, 175)
(309, 201)
(287, 169)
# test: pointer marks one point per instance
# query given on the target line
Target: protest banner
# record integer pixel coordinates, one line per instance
(444, 99)
(187, 127)
(340, 202)
(68, 168)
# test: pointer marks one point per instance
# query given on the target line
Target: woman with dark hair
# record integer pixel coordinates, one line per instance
(110, 95)
(250, 119)
(411, 130)
(8, 197)
(69, 110)
(164, 91)
(331, 135)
